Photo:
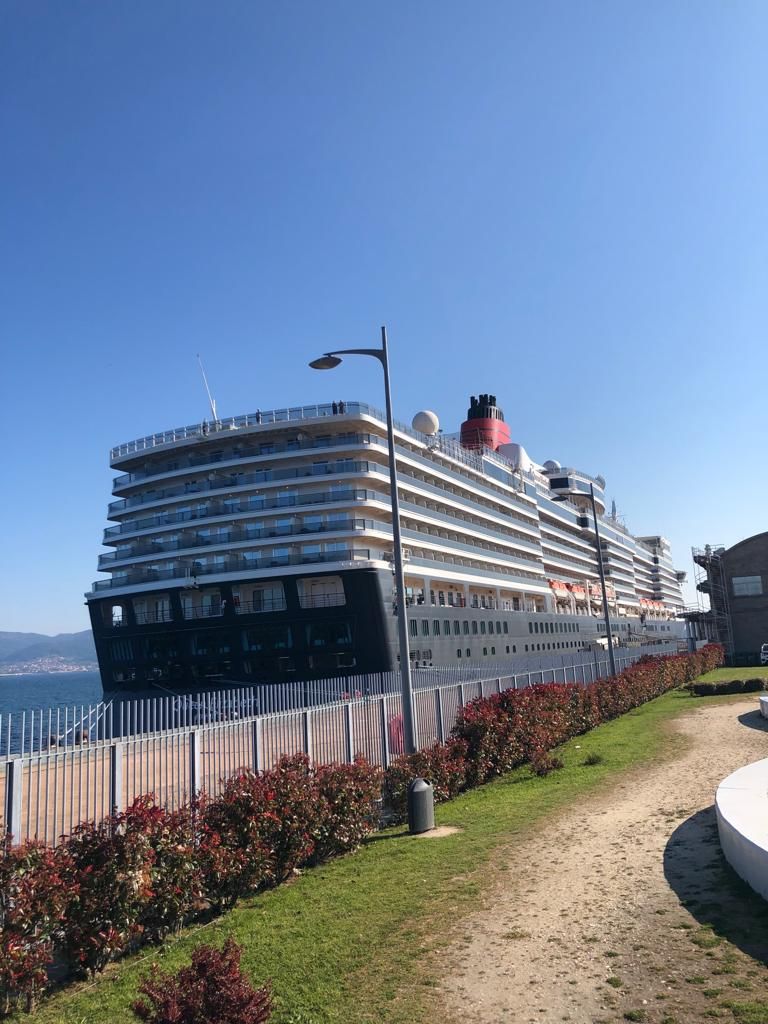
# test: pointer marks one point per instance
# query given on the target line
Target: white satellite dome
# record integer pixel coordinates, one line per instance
(552, 466)
(426, 422)
(517, 455)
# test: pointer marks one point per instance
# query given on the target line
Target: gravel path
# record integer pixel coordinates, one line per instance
(598, 894)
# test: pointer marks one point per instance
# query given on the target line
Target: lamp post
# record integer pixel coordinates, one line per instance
(329, 361)
(606, 611)
(601, 570)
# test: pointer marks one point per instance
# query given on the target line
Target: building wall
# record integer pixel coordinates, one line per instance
(749, 613)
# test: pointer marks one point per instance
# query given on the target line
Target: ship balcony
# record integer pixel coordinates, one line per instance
(225, 540)
(242, 506)
(185, 574)
(221, 460)
(235, 480)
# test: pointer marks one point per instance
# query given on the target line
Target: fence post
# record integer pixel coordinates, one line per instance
(384, 731)
(14, 771)
(194, 763)
(308, 734)
(439, 715)
(115, 778)
(256, 756)
(350, 734)
(462, 698)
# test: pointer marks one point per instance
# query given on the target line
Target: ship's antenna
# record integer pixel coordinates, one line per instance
(208, 390)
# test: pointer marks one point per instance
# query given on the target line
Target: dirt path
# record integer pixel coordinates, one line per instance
(598, 894)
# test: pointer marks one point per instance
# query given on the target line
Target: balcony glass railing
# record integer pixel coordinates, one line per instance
(159, 548)
(233, 565)
(262, 451)
(444, 445)
(241, 480)
(214, 510)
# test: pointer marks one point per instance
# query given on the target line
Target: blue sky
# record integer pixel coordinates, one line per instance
(562, 203)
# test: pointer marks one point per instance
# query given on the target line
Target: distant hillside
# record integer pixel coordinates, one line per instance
(18, 647)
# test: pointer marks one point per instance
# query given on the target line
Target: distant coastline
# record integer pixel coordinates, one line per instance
(46, 666)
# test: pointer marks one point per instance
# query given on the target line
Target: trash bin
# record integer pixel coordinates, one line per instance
(421, 806)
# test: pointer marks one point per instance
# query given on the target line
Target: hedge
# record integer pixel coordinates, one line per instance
(143, 873)
(720, 686)
(495, 734)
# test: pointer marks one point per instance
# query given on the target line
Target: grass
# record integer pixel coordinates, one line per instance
(351, 941)
(719, 675)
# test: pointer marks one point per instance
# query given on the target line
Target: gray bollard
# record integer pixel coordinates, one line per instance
(421, 807)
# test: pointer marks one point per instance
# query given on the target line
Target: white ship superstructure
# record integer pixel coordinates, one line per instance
(260, 547)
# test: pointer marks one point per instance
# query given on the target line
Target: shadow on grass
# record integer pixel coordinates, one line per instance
(711, 891)
(378, 837)
(754, 720)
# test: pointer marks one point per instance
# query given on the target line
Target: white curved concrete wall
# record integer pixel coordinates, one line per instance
(742, 821)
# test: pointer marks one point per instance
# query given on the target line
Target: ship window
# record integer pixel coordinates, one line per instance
(425, 627)
(210, 642)
(267, 638)
(458, 652)
(747, 586)
(321, 591)
(535, 627)
(493, 650)
(414, 627)
(530, 627)
(482, 626)
(474, 627)
(210, 603)
(506, 627)
(456, 627)
(329, 634)
(114, 615)
(446, 627)
(122, 650)
(465, 627)
(485, 651)
(436, 627)
(490, 626)
(526, 648)
(469, 653)
(498, 627)
(267, 598)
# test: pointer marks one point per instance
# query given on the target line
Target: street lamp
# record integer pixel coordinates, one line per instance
(601, 570)
(329, 361)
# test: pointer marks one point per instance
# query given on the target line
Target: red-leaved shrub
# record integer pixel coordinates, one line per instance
(212, 990)
(444, 765)
(33, 899)
(350, 796)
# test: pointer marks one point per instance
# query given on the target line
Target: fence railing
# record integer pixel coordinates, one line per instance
(59, 767)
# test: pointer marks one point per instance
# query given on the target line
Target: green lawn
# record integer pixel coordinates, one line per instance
(742, 672)
(351, 942)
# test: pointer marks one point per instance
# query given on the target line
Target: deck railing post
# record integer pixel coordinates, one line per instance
(14, 771)
(115, 778)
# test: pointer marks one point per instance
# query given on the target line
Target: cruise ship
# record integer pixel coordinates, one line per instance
(259, 548)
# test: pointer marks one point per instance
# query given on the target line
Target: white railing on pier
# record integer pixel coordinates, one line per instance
(59, 767)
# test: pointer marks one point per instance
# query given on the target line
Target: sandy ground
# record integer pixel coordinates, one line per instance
(620, 887)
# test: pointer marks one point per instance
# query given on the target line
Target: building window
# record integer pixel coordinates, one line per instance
(747, 586)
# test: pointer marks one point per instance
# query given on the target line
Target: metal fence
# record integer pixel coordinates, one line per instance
(64, 766)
